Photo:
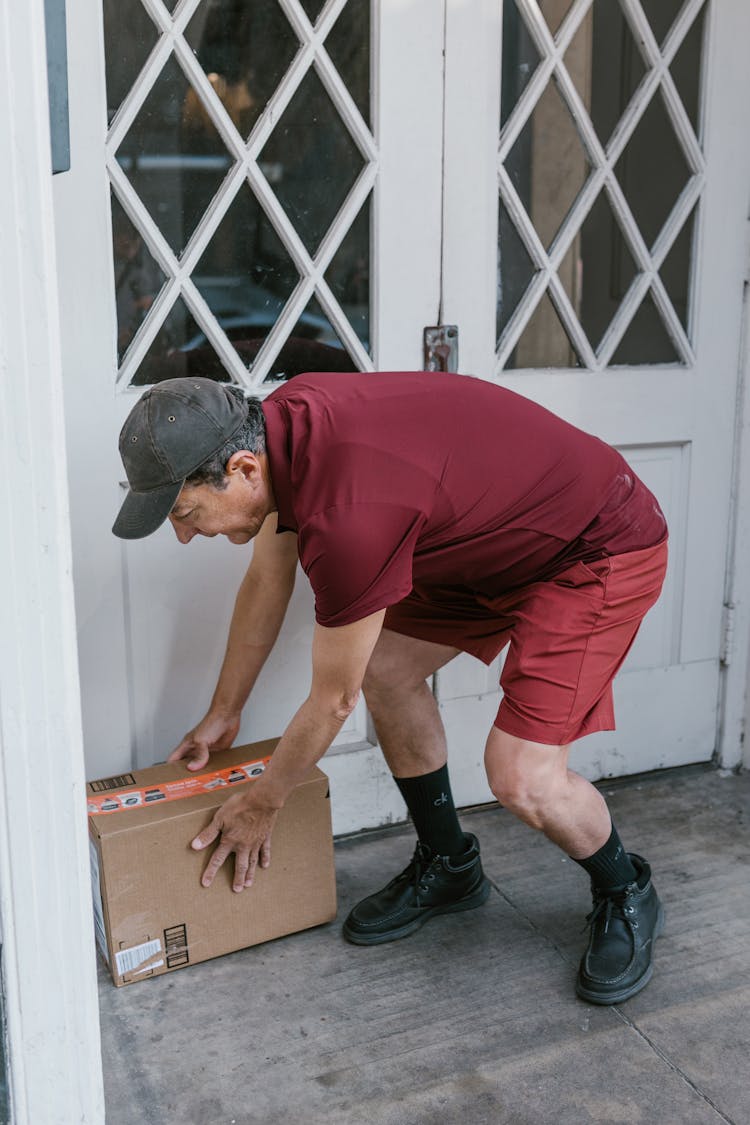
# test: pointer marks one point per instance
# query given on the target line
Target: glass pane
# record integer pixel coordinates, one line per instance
(661, 15)
(554, 11)
(514, 269)
(314, 345)
(129, 36)
(544, 342)
(520, 59)
(313, 8)
(597, 270)
(317, 160)
(245, 274)
(174, 157)
(646, 340)
(652, 170)
(675, 270)
(348, 44)
(687, 67)
(180, 349)
(245, 49)
(138, 278)
(548, 164)
(349, 275)
(605, 65)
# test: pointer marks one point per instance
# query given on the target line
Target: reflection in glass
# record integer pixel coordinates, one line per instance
(245, 274)
(661, 15)
(316, 158)
(515, 270)
(129, 36)
(598, 270)
(647, 340)
(652, 170)
(675, 269)
(605, 65)
(314, 345)
(348, 44)
(349, 275)
(174, 162)
(245, 49)
(138, 278)
(520, 59)
(554, 11)
(180, 349)
(686, 69)
(313, 8)
(544, 342)
(548, 164)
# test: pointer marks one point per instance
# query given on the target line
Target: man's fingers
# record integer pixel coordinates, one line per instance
(241, 870)
(208, 835)
(250, 874)
(195, 752)
(265, 852)
(215, 863)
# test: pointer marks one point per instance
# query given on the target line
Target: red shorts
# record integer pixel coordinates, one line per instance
(568, 637)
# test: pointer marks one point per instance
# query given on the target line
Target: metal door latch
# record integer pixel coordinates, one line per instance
(441, 348)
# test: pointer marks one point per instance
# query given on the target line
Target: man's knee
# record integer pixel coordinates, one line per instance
(525, 777)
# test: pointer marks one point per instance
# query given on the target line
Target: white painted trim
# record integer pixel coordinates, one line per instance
(734, 711)
(45, 898)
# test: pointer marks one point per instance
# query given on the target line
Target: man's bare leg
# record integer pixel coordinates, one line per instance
(402, 705)
(445, 874)
(532, 780)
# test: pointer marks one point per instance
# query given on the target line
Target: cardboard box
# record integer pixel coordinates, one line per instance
(152, 915)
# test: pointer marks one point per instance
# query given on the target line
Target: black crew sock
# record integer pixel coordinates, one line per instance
(610, 867)
(430, 804)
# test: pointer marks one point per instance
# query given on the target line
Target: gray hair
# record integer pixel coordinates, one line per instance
(250, 436)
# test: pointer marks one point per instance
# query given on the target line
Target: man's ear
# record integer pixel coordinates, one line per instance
(245, 463)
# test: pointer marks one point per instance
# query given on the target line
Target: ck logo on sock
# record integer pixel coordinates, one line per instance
(442, 800)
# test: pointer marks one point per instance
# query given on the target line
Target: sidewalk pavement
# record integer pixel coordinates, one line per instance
(472, 1020)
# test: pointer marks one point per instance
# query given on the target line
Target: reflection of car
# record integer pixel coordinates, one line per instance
(246, 311)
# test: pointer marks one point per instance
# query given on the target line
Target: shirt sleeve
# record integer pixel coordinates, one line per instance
(358, 558)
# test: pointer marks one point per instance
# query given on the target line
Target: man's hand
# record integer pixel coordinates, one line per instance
(245, 829)
(215, 732)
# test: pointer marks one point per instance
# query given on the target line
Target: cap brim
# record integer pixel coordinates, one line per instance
(143, 512)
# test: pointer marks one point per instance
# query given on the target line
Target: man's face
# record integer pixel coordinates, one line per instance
(237, 511)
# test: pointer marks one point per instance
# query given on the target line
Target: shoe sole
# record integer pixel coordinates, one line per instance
(626, 993)
(478, 898)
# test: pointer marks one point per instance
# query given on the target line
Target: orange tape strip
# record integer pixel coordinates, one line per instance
(175, 790)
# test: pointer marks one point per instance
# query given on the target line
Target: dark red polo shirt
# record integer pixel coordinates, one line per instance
(405, 480)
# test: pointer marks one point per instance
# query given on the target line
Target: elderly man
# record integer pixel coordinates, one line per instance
(432, 514)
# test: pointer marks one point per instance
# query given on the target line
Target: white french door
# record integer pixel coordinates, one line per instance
(279, 185)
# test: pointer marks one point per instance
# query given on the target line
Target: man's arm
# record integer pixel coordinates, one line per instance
(259, 611)
(340, 658)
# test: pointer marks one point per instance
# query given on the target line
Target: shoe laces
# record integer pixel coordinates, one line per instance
(609, 903)
(419, 870)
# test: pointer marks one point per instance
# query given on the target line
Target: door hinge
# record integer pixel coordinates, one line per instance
(727, 635)
(440, 347)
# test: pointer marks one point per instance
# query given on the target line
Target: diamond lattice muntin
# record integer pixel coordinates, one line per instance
(600, 168)
(242, 163)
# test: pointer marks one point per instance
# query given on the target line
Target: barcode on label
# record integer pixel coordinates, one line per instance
(129, 959)
(107, 783)
(175, 943)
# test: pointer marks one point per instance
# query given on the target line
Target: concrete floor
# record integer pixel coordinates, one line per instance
(473, 1019)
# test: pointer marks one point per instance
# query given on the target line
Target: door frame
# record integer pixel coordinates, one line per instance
(49, 961)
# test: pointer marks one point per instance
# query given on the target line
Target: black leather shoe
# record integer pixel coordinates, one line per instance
(430, 885)
(624, 925)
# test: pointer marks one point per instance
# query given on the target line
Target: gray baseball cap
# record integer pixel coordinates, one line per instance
(176, 426)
